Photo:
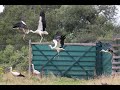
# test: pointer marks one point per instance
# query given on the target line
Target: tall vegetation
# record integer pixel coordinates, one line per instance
(81, 23)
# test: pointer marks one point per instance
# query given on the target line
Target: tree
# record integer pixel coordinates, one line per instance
(83, 20)
(70, 19)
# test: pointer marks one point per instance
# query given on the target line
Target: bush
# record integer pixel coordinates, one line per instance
(15, 58)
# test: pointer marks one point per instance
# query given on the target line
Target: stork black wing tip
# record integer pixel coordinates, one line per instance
(21, 75)
(63, 36)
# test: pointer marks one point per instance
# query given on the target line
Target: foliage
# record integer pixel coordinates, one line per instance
(15, 58)
(1, 71)
(80, 24)
(85, 19)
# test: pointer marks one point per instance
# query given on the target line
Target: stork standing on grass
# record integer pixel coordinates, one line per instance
(17, 74)
(41, 26)
(35, 72)
(22, 26)
(58, 42)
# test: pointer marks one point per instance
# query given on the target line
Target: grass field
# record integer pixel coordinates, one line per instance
(9, 79)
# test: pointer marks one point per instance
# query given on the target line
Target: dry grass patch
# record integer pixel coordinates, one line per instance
(9, 79)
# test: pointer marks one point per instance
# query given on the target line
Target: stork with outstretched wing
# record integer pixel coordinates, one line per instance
(23, 27)
(41, 30)
(41, 26)
(58, 41)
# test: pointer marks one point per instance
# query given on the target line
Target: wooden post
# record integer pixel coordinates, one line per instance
(29, 58)
(99, 63)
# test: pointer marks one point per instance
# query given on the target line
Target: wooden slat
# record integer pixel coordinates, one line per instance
(84, 44)
(115, 62)
(116, 57)
(115, 51)
(117, 73)
(115, 45)
(116, 39)
(115, 68)
(40, 43)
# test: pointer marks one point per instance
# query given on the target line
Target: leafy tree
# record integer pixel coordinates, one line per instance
(15, 58)
(81, 23)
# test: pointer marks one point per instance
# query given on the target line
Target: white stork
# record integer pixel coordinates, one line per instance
(58, 42)
(35, 72)
(21, 26)
(40, 30)
(108, 51)
(41, 26)
(17, 74)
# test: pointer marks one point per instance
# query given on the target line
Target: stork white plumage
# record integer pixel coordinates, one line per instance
(17, 74)
(107, 51)
(35, 72)
(40, 30)
(41, 26)
(58, 42)
(22, 26)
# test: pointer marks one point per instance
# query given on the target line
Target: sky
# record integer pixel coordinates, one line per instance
(1, 8)
(118, 15)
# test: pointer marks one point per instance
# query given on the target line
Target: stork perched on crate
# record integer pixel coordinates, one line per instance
(58, 41)
(41, 26)
(21, 25)
(108, 49)
(17, 74)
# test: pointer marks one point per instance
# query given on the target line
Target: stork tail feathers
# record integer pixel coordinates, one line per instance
(21, 75)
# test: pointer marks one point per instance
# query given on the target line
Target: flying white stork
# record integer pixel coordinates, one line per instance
(35, 72)
(58, 42)
(40, 30)
(41, 26)
(17, 74)
(21, 26)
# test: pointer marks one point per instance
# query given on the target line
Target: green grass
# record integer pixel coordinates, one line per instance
(8, 79)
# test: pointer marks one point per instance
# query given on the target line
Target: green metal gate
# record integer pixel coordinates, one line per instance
(77, 60)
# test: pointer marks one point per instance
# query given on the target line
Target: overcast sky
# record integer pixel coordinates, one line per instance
(118, 15)
(1, 8)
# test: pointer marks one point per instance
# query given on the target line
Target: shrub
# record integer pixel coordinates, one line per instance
(15, 58)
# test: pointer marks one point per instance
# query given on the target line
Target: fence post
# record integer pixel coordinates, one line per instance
(99, 68)
(29, 58)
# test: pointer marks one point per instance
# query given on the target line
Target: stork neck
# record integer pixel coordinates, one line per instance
(11, 69)
(33, 67)
(51, 47)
